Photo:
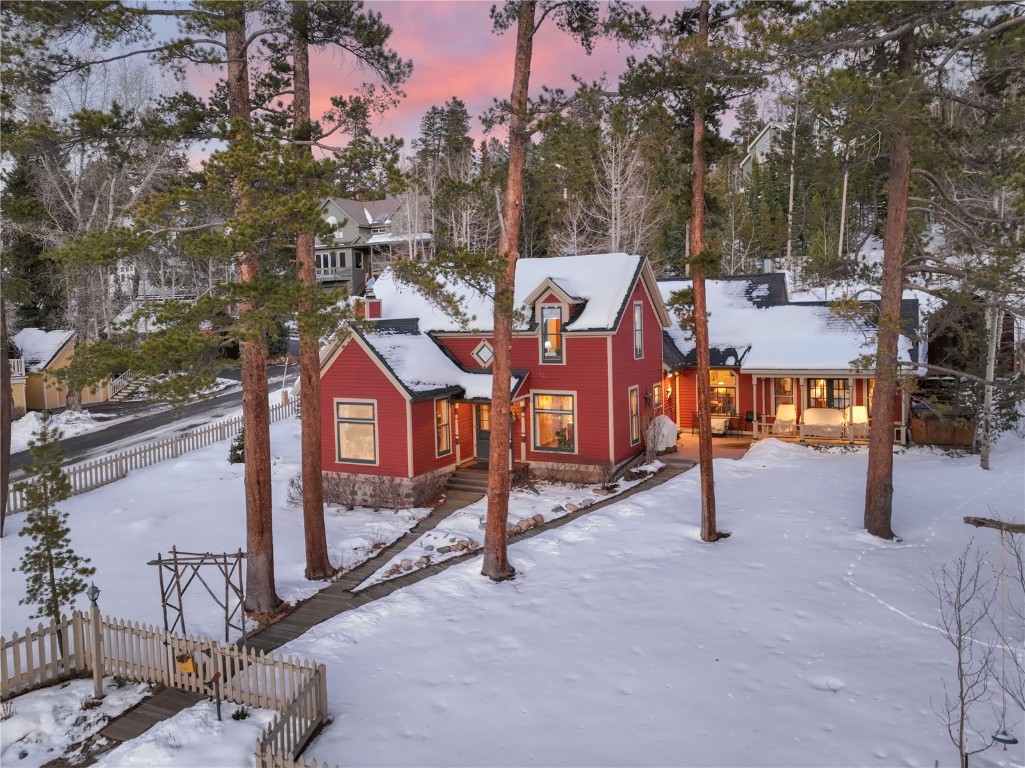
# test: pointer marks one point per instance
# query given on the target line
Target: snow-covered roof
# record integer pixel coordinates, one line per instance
(383, 239)
(38, 347)
(787, 336)
(603, 281)
(424, 369)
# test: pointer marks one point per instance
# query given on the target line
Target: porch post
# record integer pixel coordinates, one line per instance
(850, 408)
(455, 433)
(754, 407)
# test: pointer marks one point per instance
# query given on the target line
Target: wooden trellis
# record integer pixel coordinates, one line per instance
(184, 568)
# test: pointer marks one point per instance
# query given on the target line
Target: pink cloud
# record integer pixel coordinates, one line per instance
(455, 53)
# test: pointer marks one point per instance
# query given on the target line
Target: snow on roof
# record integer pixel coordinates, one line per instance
(602, 280)
(38, 347)
(422, 368)
(381, 239)
(784, 337)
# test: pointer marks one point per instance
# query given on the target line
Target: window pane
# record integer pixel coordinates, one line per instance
(356, 442)
(553, 423)
(444, 430)
(362, 411)
(551, 333)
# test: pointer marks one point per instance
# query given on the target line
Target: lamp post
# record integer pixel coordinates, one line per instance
(93, 593)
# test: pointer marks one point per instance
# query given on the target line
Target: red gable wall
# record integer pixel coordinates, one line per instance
(355, 374)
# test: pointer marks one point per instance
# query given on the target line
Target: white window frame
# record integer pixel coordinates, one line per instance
(371, 422)
(634, 410)
(638, 330)
(442, 426)
(536, 412)
(545, 359)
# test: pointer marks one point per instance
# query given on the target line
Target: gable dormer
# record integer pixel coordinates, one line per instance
(552, 307)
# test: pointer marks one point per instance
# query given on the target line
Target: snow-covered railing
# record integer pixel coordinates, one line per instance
(297, 689)
(95, 473)
(17, 367)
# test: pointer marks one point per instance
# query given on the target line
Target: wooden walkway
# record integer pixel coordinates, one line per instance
(338, 597)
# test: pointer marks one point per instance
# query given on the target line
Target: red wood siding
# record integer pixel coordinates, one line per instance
(354, 374)
(425, 458)
(628, 372)
(464, 434)
(462, 346)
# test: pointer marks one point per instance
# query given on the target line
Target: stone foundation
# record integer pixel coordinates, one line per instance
(351, 489)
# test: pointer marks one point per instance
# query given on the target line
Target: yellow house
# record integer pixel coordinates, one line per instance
(42, 353)
(18, 406)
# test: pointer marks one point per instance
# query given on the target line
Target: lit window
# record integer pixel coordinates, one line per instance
(553, 423)
(829, 393)
(356, 432)
(635, 416)
(724, 392)
(656, 395)
(638, 330)
(783, 390)
(551, 334)
(443, 414)
(484, 354)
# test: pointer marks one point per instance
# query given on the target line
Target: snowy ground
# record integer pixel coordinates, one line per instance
(197, 503)
(624, 640)
(72, 423)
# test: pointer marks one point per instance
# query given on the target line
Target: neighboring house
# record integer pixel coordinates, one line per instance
(759, 147)
(407, 396)
(768, 352)
(18, 406)
(44, 352)
(368, 236)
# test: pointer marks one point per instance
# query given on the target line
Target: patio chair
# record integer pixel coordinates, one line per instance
(785, 424)
(858, 425)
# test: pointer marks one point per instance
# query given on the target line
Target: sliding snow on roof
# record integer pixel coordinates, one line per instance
(780, 336)
(603, 281)
(38, 347)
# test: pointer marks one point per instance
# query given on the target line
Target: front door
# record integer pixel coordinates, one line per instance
(482, 419)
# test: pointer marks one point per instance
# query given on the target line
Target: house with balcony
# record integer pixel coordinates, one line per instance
(43, 353)
(367, 236)
(407, 395)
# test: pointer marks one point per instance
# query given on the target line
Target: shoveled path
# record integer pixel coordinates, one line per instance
(338, 597)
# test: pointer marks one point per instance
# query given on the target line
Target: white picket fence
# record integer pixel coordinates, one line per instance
(297, 689)
(95, 473)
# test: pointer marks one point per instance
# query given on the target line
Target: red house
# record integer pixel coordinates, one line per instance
(407, 397)
(780, 367)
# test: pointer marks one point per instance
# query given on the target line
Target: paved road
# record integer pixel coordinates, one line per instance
(145, 418)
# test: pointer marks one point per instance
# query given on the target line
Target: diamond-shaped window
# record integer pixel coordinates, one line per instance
(484, 354)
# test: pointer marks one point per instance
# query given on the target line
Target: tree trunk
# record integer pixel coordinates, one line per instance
(496, 564)
(879, 481)
(696, 243)
(994, 322)
(260, 592)
(6, 414)
(318, 565)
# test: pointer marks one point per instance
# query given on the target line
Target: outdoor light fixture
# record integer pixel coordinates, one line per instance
(93, 593)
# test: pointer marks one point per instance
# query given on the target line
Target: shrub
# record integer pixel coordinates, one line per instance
(7, 711)
(237, 451)
(241, 713)
(295, 490)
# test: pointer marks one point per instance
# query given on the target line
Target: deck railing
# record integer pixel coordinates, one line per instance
(17, 367)
(95, 473)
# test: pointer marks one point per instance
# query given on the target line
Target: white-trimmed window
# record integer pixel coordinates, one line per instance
(638, 330)
(443, 427)
(484, 354)
(356, 431)
(551, 334)
(635, 416)
(656, 395)
(554, 418)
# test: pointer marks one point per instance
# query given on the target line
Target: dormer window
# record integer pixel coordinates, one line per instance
(551, 334)
(638, 330)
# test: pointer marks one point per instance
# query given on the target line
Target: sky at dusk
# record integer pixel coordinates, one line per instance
(455, 53)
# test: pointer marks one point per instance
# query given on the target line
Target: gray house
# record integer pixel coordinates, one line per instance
(368, 235)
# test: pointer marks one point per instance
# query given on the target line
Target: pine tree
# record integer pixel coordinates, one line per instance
(54, 574)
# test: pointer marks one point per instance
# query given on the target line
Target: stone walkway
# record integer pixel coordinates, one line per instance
(338, 597)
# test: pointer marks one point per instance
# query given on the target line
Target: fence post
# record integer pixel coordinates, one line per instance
(94, 618)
